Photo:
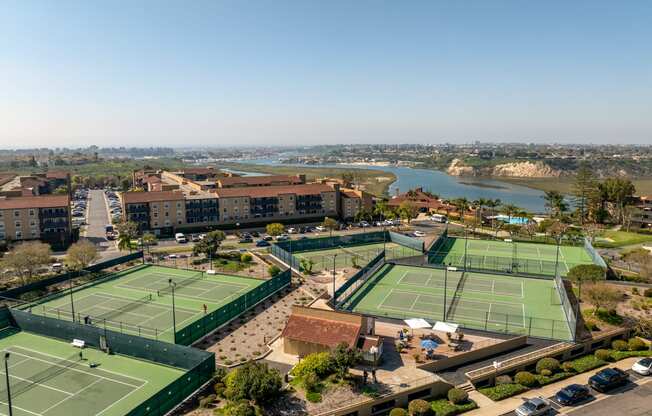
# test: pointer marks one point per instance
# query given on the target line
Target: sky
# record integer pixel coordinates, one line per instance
(248, 72)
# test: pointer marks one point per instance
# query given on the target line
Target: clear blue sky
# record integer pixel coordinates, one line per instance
(307, 72)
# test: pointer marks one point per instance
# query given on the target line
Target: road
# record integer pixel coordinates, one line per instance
(97, 219)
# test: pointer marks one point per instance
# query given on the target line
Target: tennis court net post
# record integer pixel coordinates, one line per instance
(182, 283)
(456, 296)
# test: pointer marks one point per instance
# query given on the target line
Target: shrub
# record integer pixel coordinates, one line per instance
(273, 270)
(310, 382)
(204, 402)
(457, 396)
(419, 407)
(253, 381)
(397, 411)
(636, 344)
(591, 324)
(219, 389)
(545, 372)
(602, 355)
(548, 363)
(588, 362)
(525, 378)
(443, 407)
(503, 380)
(246, 257)
(503, 391)
(319, 364)
(648, 292)
(313, 397)
(567, 367)
(619, 345)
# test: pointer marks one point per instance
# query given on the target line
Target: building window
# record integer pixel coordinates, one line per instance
(155, 223)
(33, 233)
(16, 214)
(32, 223)
(31, 212)
(17, 224)
(179, 222)
(19, 235)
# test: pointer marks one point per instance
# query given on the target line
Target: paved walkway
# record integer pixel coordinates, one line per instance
(487, 407)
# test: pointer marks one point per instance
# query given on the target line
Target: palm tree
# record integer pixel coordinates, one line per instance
(124, 242)
(462, 204)
(481, 203)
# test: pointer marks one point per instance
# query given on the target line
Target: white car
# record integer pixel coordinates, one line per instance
(419, 234)
(292, 230)
(643, 366)
(320, 228)
(534, 407)
(180, 238)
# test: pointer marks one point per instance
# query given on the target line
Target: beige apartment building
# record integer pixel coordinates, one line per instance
(45, 218)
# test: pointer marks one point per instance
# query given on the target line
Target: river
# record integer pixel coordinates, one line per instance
(443, 184)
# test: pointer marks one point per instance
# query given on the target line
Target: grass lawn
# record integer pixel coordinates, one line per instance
(565, 184)
(621, 238)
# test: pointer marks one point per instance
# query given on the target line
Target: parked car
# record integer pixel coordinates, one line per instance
(439, 218)
(320, 228)
(572, 394)
(268, 238)
(180, 238)
(292, 230)
(364, 224)
(419, 234)
(608, 379)
(246, 239)
(255, 234)
(194, 238)
(282, 237)
(643, 366)
(534, 407)
(262, 243)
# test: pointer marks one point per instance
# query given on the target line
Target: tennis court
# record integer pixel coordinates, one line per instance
(353, 255)
(513, 257)
(140, 302)
(491, 302)
(48, 377)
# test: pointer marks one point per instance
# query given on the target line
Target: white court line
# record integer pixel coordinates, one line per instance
(122, 398)
(19, 408)
(522, 290)
(493, 286)
(523, 315)
(73, 395)
(39, 384)
(402, 277)
(75, 369)
(385, 298)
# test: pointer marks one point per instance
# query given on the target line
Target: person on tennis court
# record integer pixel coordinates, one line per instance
(205, 308)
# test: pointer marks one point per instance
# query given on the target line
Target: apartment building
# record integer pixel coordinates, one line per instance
(263, 180)
(166, 212)
(45, 218)
(642, 215)
(353, 201)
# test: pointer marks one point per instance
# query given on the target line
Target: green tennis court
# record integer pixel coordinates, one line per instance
(47, 377)
(353, 255)
(491, 302)
(140, 302)
(513, 257)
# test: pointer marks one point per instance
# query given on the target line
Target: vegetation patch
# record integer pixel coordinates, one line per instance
(503, 391)
(443, 407)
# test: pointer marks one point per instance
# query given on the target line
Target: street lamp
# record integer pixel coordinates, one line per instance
(72, 301)
(374, 350)
(174, 317)
(11, 411)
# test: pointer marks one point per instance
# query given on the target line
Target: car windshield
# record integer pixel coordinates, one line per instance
(529, 406)
(646, 362)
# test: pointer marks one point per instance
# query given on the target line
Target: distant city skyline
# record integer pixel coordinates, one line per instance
(291, 73)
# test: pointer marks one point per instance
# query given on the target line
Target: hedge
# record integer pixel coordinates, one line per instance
(443, 407)
(503, 391)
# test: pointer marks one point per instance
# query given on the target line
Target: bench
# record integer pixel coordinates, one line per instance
(211, 271)
(78, 343)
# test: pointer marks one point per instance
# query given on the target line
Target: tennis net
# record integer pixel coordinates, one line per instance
(179, 283)
(125, 308)
(456, 297)
(27, 383)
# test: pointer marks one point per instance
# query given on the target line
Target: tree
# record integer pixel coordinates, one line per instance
(555, 203)
(127, 231)
(584, 273)
(617, 192)
(509, 210)
(209, 244)
(275, 229)
(330, 224)
(81, 254)
(148, 239)
(307, 265)
(273, 270)
(27, 257)
(408, 210)
(380, 208)
(61, 190)
(348, 178)
(344, 358)
(462, 205)
(603, 296)
(253, 381)
(585, 189)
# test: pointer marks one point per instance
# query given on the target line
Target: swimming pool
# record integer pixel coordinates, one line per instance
(513, 220)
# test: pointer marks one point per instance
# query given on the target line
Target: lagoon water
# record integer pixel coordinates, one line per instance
(444, 185)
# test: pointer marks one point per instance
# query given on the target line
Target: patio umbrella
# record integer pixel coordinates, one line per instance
(417, 323)
(428, 344)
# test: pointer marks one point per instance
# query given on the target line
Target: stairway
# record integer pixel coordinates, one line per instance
(467, 387)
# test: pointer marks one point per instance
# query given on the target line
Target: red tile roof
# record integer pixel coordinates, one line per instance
(142, 197)
(56, 174)
(259, 180)
(271, 191)
(44, 201)
(320, 331)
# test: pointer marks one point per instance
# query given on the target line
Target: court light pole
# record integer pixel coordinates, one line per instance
(445, 288)
(174, 315)
(72, 301)
(334, 257)
(11, 410)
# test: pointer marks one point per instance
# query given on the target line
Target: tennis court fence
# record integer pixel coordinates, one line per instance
(491, 322)
(570, 311)
(213, 320)
(199, 365)
(286, 250)
(358, 279)
(597, 258)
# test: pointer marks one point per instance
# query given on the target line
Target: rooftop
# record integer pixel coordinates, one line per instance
(44, 201)
(259, 180)
(322, 327)
(142, 197)
(271, 191)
